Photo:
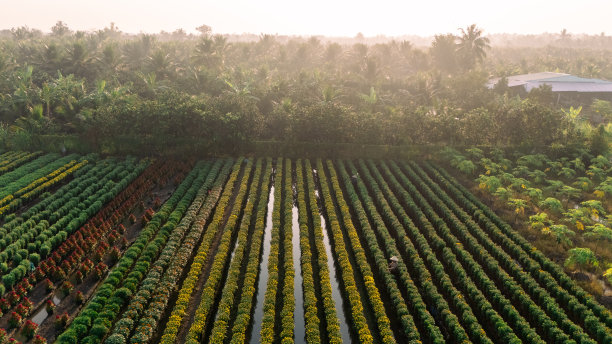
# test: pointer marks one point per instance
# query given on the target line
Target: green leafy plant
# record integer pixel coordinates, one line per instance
(561, 234)
(552, 204)
(581, 258)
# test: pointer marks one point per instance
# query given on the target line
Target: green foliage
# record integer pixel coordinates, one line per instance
(599, 232)
(115, 339)
(581, 258)
(203, 93)
(535, 195)
(568, 192)
(518, 205)
(467, 167)
(583, 183)
(599, 141)
(561, 234)
(552, 204)
(488, 183)
(567, 173)
(602, 108)
(539, 221)
(503, 193)
(533, 160)
(608, 274)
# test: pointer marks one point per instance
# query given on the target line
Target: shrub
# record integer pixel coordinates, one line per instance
(22, 310)
(99, 330)
(14, 320)
(123, 293)
(50, 306)
(68, 337)
(13, 298)
(4, 305)
(115, 339)
(79, 298)
(39, 340)
(48, 285)
(80, 329)
(29, 329)
(67, 287)
(8, 280)
(44, 250)
(61, 321)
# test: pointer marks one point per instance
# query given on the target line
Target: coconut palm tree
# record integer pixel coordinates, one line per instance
(472, 46)
(443, 51)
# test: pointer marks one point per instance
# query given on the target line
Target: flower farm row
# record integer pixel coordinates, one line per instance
(265, 250)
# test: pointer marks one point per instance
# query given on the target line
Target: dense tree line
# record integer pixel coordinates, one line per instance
(106, 84)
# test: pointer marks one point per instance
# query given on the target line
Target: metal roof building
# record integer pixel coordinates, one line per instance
(559, 82)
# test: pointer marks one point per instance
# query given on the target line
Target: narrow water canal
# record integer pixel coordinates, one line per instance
(299, 329)
(263, 270)
(333, 277)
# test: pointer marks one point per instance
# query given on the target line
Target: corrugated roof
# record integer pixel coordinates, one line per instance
(574, 79)
(559, 82)
(571, 86)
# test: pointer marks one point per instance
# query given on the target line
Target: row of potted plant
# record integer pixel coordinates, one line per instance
(178, 313)
(95, 320)
(205, 314)
(357, 315)
(508, 253)
(548, 325)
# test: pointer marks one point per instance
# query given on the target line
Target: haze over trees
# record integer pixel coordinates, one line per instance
(107, 85)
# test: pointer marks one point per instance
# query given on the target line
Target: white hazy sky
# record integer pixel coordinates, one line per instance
(314, 17)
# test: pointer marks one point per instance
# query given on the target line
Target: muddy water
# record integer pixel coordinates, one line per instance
(334, 279)
(263, 272)
(299, 329)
